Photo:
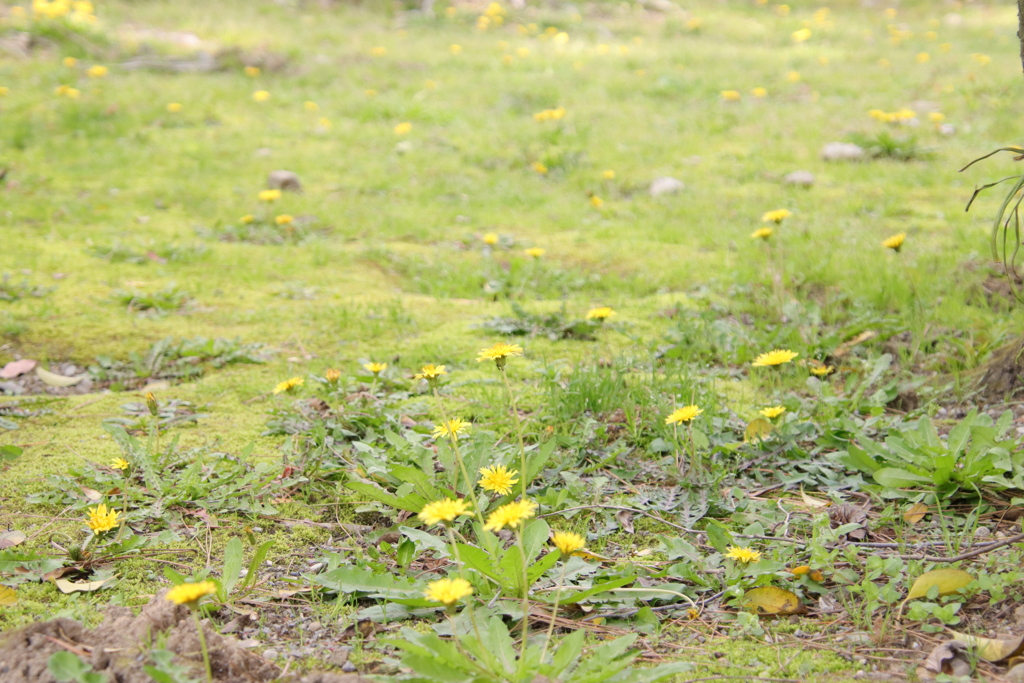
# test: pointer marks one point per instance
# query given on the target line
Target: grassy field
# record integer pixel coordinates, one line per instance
(480, 174)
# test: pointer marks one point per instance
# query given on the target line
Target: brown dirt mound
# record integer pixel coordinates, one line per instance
(1003, 377)
(119, 647)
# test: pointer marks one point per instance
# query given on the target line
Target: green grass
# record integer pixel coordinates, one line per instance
(121, 205)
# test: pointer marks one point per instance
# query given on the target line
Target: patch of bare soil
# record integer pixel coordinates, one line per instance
(1003, 376)
(119, 647)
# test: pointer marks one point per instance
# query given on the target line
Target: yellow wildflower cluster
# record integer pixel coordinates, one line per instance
(498, 479)
(602, 313)
(776, 216)
(451, 428)
(101, 519)
(550, 115)
(511, 515)
(762, 233)
(67, 91)
(500, 352)
(772, 413)
(190, 593)
(684, 414)
(430, 372)
(119, 464)
(289, 384)
(448, 591)
(743, 555)
(443, 511)
(376, 368)
(900, 116)
(775, 357)
(80, 11)
(567, 542)
(895, 242)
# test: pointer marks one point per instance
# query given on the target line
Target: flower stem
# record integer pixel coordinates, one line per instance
(526, 595)
(697, 465)
(519, 430)
(202, 645)
(462, 465)
(554, 611)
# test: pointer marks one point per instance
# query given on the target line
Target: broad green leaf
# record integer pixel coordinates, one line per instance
(573, 598)
(409, 503)
(537, 460)
(426, 541)
(67, 668)
(896, 478)
(948, 581)
(718, 536)
(354, 580)
(770, 600)
(233, 556)
(535, 535)
(536, 569)
(857, 459)
(568, 651)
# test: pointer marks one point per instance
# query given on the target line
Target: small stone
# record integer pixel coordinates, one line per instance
(982, 532)
(1015, 675)
(339, 657)
(315, 626)
(947, 129)
(270, 654)
(666, 185)
(348, 667)
(842, 151)
(284, 180)
(264, 152)
(805, 178)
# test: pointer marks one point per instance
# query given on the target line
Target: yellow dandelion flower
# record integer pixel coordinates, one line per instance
(151, 404)
(596, 201)
(190, 593)
(744, 555)
(376, 368)
(522, 52)
(448, 591)
(430, 372)
(269, 195)
(793, 76)
(511, 515)
(772, 413)
(567, 542)
(403, 128)
(762, 233)
(776, 216)
(602, 313)
(694, 23)
(895, 242)
(774, 357)
(451, 429)
(444, 510)
(922, 57)
(261, 95)
(540, 168)
(96, 71)
(378, 51)
(884, 63)
(284, 219)
(731, 95)
(246, 219)
(174, 107)
(801, 35)
(119, 464)
(981, 59)
(69, 62)
(324, 122)
(310, 105)
(936, 116)
(101, 519)
(782, 10)
(332, 375)
(684, 414)
(759, 92)
(289, 384)
(252, 71)
(455, 49)
(535, 252)
(491, 238)
(608, 175)
(371, 93)
(499, 353)
(4, 90)
(498, 478)
(822, 370)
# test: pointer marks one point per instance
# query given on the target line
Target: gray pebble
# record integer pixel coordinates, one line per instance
(805, 178)
(270, 654)
(666, 185)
